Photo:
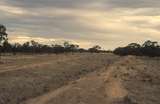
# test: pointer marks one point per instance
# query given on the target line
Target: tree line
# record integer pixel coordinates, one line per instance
(35, 47)
(148, 48)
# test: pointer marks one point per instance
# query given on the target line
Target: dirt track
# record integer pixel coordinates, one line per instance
(83, 79)
(109, 86)
(32, 81)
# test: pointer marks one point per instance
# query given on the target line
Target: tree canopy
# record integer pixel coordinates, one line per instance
(148, 48)
(3, 34)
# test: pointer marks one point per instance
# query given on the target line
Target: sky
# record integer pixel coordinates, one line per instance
(108, 23)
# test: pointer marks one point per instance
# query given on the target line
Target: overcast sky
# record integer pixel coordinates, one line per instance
(109, 23)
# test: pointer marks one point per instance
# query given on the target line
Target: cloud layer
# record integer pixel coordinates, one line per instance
(109, 23)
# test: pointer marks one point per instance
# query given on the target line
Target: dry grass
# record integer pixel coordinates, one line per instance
(80, 79)
(25, 77)
(129, 80)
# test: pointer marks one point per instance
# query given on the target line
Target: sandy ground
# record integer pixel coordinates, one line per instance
(24, 77)
(130, 80)
(81, 79)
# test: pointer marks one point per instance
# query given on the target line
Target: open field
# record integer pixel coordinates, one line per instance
(79, 79)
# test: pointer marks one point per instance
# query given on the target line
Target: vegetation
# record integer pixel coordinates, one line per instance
(95, 49)
(149, 48)
(3, 37)
(35, 47)
(3, 34)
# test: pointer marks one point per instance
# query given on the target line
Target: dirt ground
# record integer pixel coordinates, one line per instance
(79, 79)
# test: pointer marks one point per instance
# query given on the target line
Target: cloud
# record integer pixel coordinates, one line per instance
(135, 3)
(109, 23)
(84, 3)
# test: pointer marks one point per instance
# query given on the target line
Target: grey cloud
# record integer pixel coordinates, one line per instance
(55, 27)
(134, 3)
(84, 3)
(50, 3)
(67, 26)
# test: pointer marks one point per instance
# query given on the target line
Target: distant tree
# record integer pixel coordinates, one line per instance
(7, 47)
(26, 47)
(66, 44)
(149, 43)
(134, 45)
(70, 47)
(151, 48)
(3, 34)
(95, 48)
(148, 48)
(82, 50)
(34, 45)
(3, 37)
(58, 49)
(16, 48)
(73, 47)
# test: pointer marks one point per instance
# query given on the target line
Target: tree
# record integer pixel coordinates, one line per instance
(95, 48)
(74, 47)
(58, 49)
(70, 47)
(3, 37)
(7, 47)
(150, 48)
(26, 47)
(149, 43)
(3, 34)
(66, 44)
(134, 45)
(34, 45)
(16, 48)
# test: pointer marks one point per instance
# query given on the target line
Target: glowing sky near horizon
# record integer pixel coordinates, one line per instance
(108, 23)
